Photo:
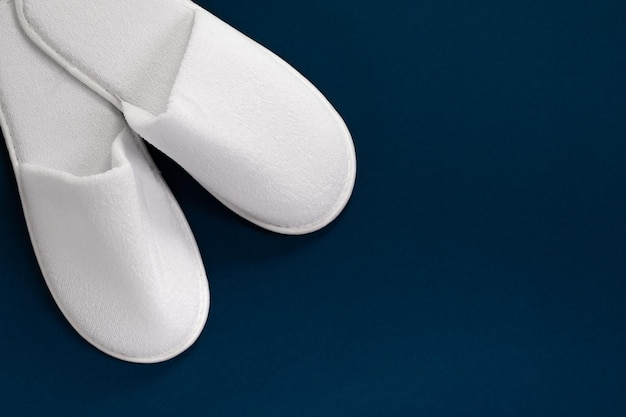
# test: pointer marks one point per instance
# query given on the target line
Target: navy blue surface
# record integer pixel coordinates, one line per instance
(478, 271)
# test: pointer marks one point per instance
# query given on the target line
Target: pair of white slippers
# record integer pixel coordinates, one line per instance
(80, 81)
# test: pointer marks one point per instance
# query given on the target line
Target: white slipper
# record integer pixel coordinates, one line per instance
(111, 241)
(245, 124)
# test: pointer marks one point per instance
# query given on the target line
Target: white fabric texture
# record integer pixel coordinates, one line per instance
(245, 124)
(112, 243)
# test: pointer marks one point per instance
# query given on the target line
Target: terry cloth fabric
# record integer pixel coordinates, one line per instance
(245, 124)
(112, 243)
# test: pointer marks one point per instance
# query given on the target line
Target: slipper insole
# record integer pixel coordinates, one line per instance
(109, 41)
(55, 122)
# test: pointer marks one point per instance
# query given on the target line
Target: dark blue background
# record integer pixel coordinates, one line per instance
(478, 270)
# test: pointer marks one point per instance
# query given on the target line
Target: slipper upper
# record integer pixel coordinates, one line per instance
(125, 280)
